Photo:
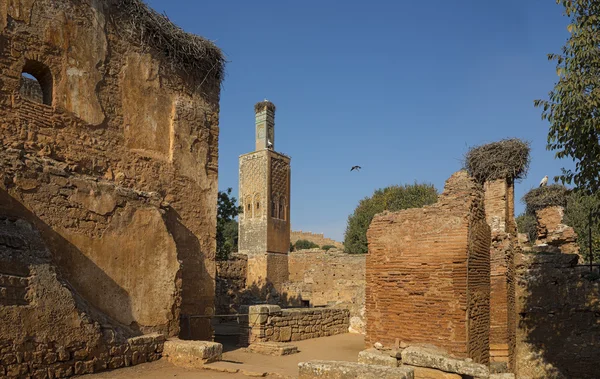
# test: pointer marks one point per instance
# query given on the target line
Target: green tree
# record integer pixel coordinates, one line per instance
(227, 226)
(573, 105)
(393, 198)
(577, 214)
(526, 223)
(305, 244)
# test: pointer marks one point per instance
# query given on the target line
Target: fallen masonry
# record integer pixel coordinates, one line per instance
(351, 370)
(192, 353)
(273, 348)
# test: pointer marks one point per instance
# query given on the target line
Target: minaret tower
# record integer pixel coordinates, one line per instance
(264, 224)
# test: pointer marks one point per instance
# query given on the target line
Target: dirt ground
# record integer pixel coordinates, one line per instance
(344, 347)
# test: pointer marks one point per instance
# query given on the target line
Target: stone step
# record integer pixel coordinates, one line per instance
(273, 348)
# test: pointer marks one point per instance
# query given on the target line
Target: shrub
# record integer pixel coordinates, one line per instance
(526, 223)
(327, 247)
(393, 198)
(305, 244)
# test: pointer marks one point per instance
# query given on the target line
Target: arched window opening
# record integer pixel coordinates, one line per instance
(257, 204)
(248, 208)
(273, 208)
(282, 208)
(36, 82)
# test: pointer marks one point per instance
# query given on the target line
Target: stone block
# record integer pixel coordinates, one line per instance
(192, 353)
(429, 358)
(273, 348)
(376, 357)
(351, 370)
(285, 334)
(430, 373)
(259, 314)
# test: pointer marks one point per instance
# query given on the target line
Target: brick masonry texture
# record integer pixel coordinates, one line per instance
(499, 209)
(317, 238)
(270, 323)
(559, 317)
(428, 274)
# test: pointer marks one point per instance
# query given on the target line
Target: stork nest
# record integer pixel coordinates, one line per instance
(543, 197)
(506, 159)
(258, 107)
(192, 54)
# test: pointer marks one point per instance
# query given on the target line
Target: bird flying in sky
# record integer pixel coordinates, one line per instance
(544, 181)
(355, 168)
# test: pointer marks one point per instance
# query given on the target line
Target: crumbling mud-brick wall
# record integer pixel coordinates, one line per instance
(270, 323)
(428, 274)
(499, 209)
(330, 279)
(117, 167)
(558, 306)
(47, 329)
(552, 232)
(317, 238)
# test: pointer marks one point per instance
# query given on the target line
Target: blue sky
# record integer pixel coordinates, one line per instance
(401, 88)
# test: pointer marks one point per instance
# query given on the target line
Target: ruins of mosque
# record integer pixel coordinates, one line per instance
(108, 168)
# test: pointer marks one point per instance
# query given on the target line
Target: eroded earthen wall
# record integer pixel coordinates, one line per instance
(330, 279)
(558, 305)
(118, 171)
(47, 329)
(428, 274)
(231, 284)
(317, 238)
(552, 232)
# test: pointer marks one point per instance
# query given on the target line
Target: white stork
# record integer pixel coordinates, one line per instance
(544, 181)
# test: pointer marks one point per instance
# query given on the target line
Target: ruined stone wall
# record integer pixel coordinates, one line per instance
(317, 238)
(231, 284)
(270, 323)
(428, 274)
(552, 232)
(121, 185)
(47, 329)
(330, 279)
(558, 307)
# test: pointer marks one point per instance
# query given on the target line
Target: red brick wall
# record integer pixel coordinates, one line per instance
(499, 209)
(427, 274)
